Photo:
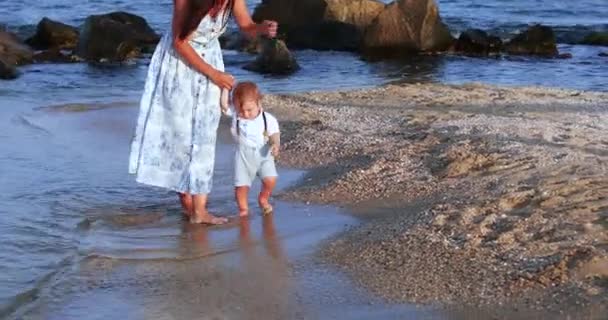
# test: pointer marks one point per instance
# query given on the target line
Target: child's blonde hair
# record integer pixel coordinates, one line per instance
(245, 90)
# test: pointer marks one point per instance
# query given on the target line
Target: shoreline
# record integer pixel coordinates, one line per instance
(140, 256)
(498, 192)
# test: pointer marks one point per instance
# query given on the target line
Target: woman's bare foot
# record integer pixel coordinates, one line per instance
(187, 204)
(206, 218)
(243, 213)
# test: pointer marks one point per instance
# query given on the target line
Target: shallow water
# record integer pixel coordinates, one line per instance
(101, 240)
(334, 70)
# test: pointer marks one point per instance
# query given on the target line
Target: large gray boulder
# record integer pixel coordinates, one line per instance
(55, 55)
(407, 26)
(13, 51)
(320, 24)
(114, 37)
(476, 42)
(596, 39)
(235, 40)
(7, 71)
(53, 35)
(536, 40)
(274, 58)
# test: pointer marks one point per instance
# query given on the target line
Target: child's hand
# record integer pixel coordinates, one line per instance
(275, 143)
(274, 150)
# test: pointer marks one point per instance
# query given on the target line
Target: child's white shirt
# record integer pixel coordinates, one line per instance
(251, 132)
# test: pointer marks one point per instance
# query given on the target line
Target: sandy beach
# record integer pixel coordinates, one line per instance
(472, 194)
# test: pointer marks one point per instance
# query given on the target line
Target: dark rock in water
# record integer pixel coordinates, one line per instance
(537, 40)
(407, 26)
(477, 42)
(235, 40)
(7, 71)
(53, 34)
(596, 39)
(325, 35)
(321, 24)
(56, 55)
(12, 51)
(566, 55)
(603, 54)
(275, 58)
(114, 37)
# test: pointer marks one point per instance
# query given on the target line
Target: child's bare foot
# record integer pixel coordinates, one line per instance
(267, 210)
(206, 218)
(264, 205)
(243, 213)
(263, 201)
(264, 196)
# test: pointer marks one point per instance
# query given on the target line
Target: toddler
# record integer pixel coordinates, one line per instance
(258, 138)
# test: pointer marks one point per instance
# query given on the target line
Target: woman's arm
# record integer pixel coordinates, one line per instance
(184, 49)
(246, 24)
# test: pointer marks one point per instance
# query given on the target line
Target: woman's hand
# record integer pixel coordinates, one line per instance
(268, 28)
(243, 19)
(222, 79)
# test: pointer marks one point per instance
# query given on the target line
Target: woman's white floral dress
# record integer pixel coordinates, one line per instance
(174, 142)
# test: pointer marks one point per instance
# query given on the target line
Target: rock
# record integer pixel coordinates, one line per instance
(324, 36)
(53, 34)
(477, 43)
(407, 26)
(321, 24)
(302, 13)
(7, 71)
(603, 54)
(115, 37)
(537, 40)
(12, 51)
(235, 40)
(56, 55)
(566, 55)
(596, 39)
(275, 58)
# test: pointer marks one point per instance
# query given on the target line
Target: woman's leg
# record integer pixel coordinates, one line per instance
(186, 200)
(200, 213)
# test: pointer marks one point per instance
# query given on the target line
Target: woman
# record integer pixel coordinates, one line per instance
(174, 143)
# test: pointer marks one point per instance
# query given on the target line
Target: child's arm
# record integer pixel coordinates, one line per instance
(275, 144)
(274, 138)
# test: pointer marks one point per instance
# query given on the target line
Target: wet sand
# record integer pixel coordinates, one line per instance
(475, 195)
(136, 258)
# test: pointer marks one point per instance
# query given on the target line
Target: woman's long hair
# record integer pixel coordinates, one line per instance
(198, 9)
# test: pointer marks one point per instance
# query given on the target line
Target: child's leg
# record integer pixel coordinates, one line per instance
(241, 193)
(268, 173)
(244, 173)
(268, 185)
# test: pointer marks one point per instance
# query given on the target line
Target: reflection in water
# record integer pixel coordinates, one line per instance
(411, 69)
(242, 273)
(273, 246)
